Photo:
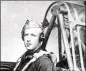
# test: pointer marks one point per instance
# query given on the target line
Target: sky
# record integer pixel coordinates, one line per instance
(13, 16)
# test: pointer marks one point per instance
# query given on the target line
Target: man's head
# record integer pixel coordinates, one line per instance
(31, 35)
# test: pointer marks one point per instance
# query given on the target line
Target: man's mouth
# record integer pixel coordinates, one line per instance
(28, 44)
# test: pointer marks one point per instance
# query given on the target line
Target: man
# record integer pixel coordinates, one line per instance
(35, 58)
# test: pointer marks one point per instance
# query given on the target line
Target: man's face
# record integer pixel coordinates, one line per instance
(31, 38)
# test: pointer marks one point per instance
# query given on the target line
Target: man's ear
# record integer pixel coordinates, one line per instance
(41, 38)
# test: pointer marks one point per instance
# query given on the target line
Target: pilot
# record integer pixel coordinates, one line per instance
(35, 58)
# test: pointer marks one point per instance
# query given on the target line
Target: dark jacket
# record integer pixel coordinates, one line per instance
(43, 63)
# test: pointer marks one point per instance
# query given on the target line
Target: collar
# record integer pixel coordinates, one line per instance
(40, 53)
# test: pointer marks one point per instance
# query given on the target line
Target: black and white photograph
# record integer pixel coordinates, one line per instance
(43, 36)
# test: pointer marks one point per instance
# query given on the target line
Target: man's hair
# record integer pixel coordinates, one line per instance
(22, 35)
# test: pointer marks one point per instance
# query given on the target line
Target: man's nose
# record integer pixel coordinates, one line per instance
(28, 40)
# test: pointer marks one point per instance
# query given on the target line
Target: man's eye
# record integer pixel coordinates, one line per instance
(26, 34)
(33, 35)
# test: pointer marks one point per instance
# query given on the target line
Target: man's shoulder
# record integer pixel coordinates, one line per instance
(44, 59)
(45, 56)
